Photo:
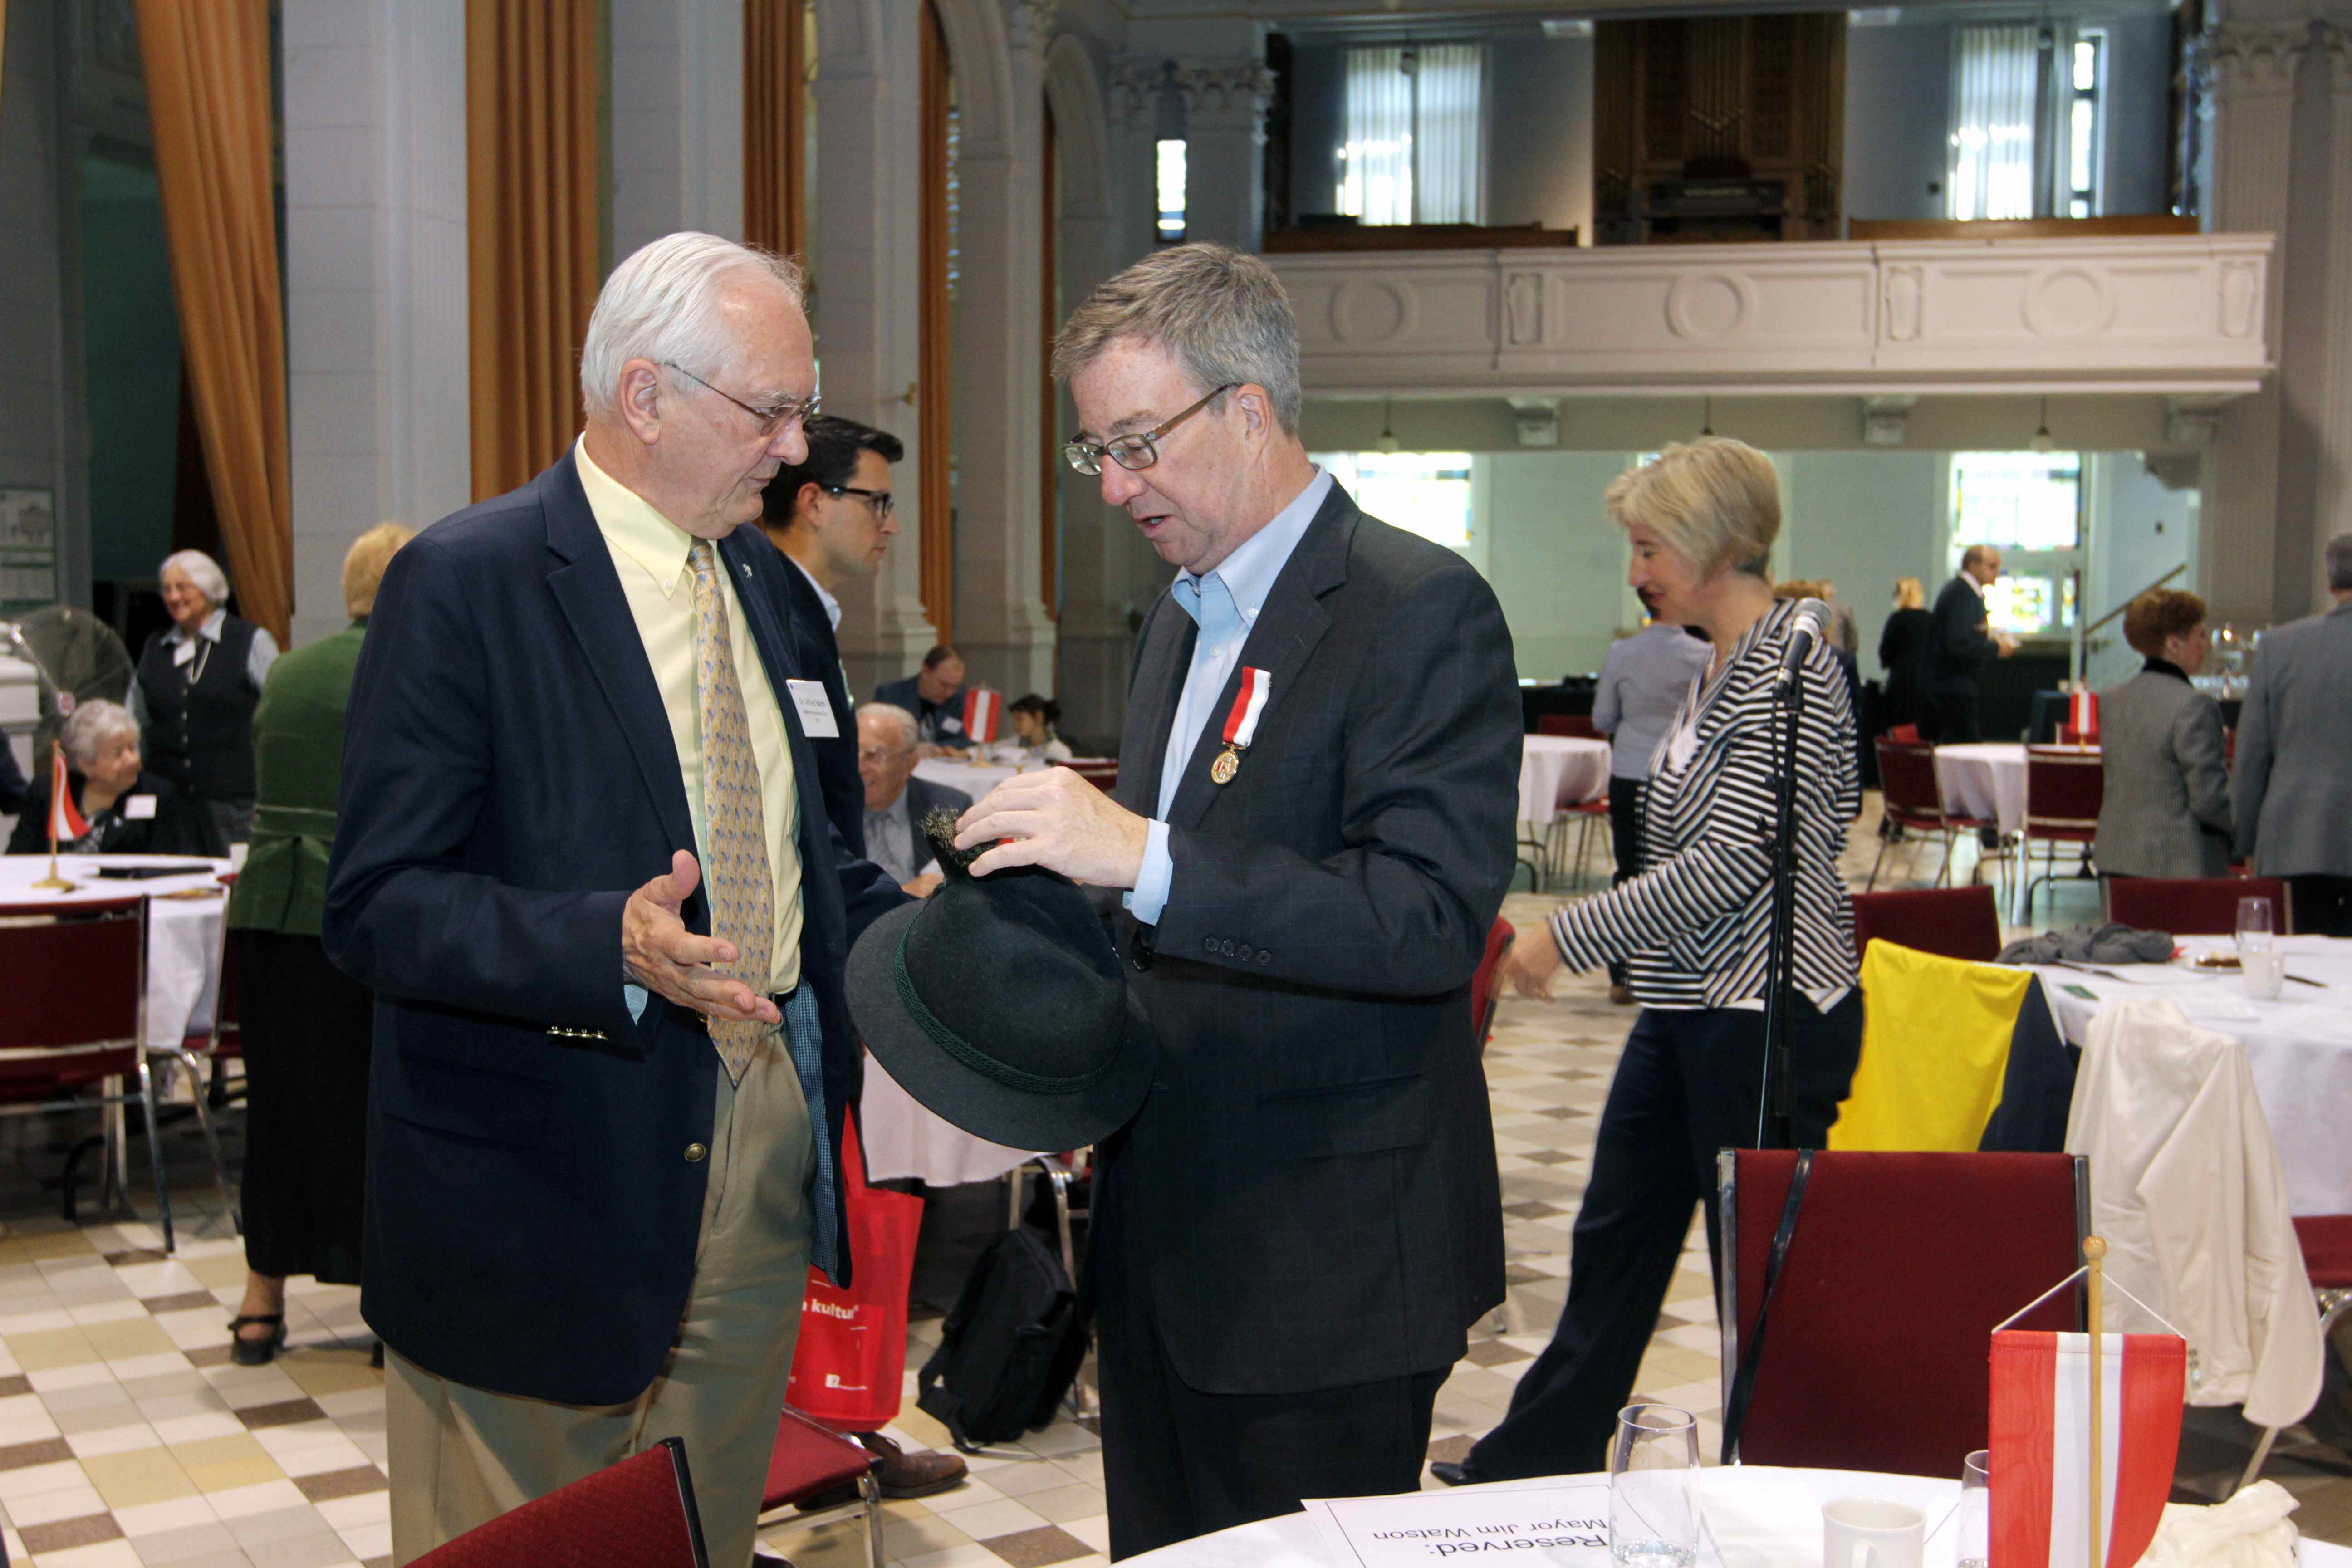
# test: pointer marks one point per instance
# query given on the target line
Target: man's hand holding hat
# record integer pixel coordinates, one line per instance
(1056, 820)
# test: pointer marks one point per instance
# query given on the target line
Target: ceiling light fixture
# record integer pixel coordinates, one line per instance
(1388, 425)
(2043, 440)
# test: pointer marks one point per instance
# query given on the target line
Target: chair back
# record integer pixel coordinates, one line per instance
(1578, 725)
(1906, 782)
(2193, 906)
(809, 1458)
(1482, 983)
(73, 1012)
(1903, 734)
(1879, 1345)
(2064, 787)
(1955, 923)
(1100, 772)
(640, 1511)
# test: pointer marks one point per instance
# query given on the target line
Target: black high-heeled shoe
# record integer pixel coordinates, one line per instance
(260, 1352)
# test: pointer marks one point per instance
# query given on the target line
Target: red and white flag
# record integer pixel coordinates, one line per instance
(65, 825)
(2083, 715)
(2041, 1439)
(981, 709)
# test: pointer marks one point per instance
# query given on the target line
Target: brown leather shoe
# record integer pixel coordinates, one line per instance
(900, 1474)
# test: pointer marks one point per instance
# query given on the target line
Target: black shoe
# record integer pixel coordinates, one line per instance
(1457, 1473)
(260, 1352)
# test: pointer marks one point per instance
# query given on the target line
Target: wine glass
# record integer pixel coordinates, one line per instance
(1652, 1468)
(1976, 1510)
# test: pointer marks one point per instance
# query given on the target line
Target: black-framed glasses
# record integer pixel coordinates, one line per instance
(772, 418)
(881, 503)
(1140, 450)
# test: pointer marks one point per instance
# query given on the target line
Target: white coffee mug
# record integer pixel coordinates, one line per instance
(1872, 1532)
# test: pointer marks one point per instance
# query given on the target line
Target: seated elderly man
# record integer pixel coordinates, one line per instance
(124, 809)
(896, 800)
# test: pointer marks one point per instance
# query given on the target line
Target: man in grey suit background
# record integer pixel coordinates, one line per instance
(2294, 757)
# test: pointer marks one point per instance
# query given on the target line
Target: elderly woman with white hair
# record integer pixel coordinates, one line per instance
(1692, 928)
(198, 681)
(128, 811)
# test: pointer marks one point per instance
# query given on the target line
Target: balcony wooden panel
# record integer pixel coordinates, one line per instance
(1329, 239)
(2120, 226)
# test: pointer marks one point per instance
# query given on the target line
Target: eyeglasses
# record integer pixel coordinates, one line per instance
(771, 419)
(1137, 451)
(881, 503)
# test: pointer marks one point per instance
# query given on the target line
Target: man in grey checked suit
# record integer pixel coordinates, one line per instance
(1294, 1233)
(2294, 757)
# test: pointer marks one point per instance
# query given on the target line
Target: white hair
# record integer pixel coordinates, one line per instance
(91, 726)
(662, 304)
(200, 570)
(895, 718)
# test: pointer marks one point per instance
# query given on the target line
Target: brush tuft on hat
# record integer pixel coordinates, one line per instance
(939, 828)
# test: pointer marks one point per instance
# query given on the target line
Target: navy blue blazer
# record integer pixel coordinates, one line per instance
(947, 726)
(508, 779)
(819, 657)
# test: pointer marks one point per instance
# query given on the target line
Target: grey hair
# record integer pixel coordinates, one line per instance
(662, 304)
(1221, 314)
(900, 723)
(200, 570)
(2340, 561)
(91, 726)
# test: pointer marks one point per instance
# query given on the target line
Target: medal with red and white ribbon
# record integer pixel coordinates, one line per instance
(1241, 724)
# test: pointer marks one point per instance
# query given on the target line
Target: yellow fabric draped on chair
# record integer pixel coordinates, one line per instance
(533, 227)
(1935, 1039)
(208, 94)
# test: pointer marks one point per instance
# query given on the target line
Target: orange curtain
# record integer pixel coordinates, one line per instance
(208, 93)
(534, 73)
(775, 86)
(936, 575)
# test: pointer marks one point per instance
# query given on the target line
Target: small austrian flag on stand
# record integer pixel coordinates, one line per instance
(2083, 715)
(2044, 1466)
(981, 709)
(65, 825)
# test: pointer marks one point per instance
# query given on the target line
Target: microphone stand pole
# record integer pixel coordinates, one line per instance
(1775, 1125)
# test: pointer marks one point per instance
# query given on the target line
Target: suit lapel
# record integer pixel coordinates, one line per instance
(588, 591)
(1289, 626)
(1161, 664)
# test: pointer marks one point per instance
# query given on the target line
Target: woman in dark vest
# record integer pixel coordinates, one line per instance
(197, 683)
(308, 1026)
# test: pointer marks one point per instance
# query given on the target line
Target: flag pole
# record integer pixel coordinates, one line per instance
(2094, 1250)
(53, 882)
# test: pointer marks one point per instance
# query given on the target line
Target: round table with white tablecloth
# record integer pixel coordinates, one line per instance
(975, 779)
(1985, 780)
(2299, 1048)
(1561, 770)
(184, 925)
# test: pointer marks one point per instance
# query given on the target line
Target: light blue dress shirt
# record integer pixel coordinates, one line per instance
(1224, 604)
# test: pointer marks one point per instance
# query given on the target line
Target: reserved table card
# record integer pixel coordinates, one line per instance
(1561, 1524)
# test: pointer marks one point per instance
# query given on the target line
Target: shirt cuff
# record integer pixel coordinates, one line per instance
(1149, 896)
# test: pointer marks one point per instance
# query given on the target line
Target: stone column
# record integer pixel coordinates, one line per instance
(2249, 74)
(1225, 133)
(2334, 510)
(864, 225)
(1000, 624)
(375, 278)
(677, 112)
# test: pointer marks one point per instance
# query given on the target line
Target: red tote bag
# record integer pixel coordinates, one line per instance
(848, 1368)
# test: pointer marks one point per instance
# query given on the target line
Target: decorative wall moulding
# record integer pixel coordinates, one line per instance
(2162, 313)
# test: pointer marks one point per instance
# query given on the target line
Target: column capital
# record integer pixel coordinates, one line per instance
(2249, 60)
(2335, 41)
(1134, 89)
(1231, 92)
(1032, 26)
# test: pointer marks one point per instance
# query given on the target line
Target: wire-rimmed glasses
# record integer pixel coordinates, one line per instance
(1140, 450)
(772, 418)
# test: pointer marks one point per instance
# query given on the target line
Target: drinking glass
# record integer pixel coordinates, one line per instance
(2254, 926)
(1976, 1510)
(1652, 1468)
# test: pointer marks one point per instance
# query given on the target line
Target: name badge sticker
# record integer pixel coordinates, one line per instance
(817, 720)
(138, 808)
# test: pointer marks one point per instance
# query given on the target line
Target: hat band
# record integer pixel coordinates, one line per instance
(966, 1053)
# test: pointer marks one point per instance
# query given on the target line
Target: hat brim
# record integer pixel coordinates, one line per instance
(968, 1098)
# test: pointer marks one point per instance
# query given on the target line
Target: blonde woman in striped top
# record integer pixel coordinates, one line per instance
(1691, 930)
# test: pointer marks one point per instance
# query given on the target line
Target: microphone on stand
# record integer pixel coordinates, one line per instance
(1811, 624)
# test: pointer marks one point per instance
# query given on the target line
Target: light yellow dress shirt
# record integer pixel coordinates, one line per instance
(650, 552)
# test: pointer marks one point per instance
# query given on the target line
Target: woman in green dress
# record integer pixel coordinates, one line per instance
(307, 1025)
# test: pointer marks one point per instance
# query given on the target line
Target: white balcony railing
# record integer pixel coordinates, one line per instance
(2175, 314)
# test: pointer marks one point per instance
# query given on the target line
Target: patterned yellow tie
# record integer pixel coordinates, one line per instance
(742, 891)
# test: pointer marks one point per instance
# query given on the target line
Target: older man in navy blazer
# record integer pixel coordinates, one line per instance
(585, 862)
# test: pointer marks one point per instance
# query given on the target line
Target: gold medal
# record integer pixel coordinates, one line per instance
(1228, 763)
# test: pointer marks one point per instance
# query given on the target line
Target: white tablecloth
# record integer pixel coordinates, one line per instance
(1291, 1542)
(902, 1138)
(975, 779)
(1986, 780)
(1561, 770)
(183, 935)
(2299, 1048)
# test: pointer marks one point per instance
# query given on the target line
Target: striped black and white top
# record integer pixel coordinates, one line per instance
(1694, 927)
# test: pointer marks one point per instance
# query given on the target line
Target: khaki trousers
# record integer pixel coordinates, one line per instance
(462, 1455)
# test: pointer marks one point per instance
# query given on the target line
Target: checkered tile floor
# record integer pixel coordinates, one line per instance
(127, 1436)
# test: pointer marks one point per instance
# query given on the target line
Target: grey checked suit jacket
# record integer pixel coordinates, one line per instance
(1310, 1188)
(2166, 809)
(2294, 750)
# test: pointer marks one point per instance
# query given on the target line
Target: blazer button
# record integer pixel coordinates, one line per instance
(1226, 947)
(1209, 944)
(696, 1154)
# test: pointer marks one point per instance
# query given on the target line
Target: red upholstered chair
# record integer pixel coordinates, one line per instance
(639, 1511)
(1483, 990)
(1100, 772)
(1903, 734)
(1955, 923)
(2195, 906)
(1876, 1355)
(2327, 1242)
(2064, 787)
(812, 1458)
(1578, 725)
(1912, 799)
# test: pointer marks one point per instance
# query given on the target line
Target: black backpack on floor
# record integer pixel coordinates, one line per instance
(1010, 1350)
